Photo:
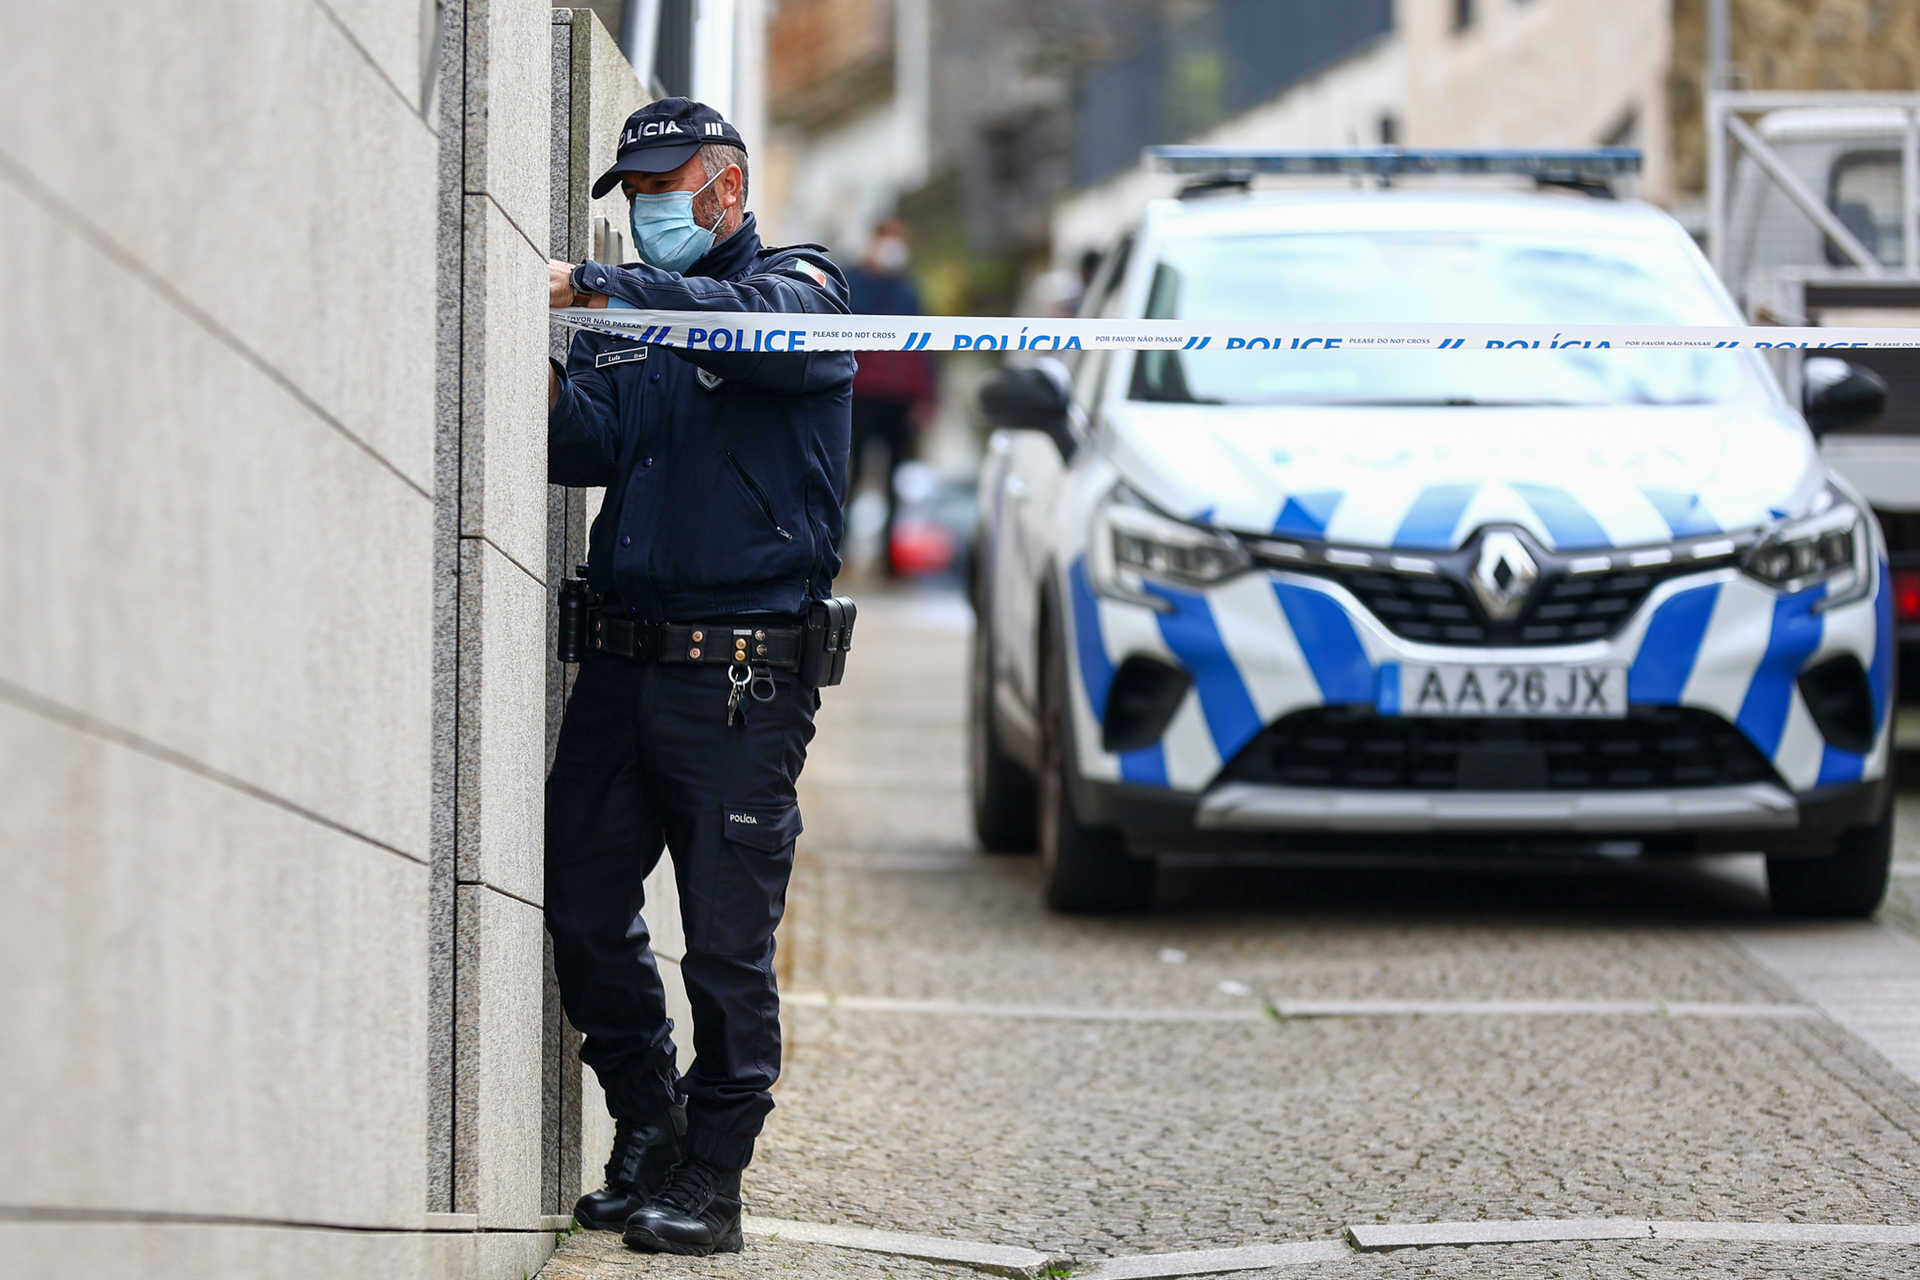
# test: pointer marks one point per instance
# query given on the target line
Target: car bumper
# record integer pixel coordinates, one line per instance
(1251, 818)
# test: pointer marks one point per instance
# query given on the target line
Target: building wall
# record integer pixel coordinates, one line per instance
(495, 148)
(1339, 107)
(215, 716)
(841, 108)
(1787, 45)
(1548, 73)
(274, 726)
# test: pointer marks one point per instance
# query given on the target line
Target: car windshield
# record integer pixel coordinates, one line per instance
(1430, 277)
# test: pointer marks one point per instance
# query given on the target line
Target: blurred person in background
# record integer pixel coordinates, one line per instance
(894, 392)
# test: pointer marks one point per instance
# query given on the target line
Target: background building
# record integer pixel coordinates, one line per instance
(1424, 73)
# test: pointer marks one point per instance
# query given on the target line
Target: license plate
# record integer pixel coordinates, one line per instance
(1593, 690)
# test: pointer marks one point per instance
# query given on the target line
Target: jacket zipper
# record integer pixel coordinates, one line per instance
(759, 496)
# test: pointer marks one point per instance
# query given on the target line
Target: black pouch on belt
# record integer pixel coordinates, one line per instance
(823, 654)
(576, 598)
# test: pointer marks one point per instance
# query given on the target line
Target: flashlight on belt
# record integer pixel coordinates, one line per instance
(575, 599)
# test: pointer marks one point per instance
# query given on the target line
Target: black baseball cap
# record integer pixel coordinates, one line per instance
(663, 135)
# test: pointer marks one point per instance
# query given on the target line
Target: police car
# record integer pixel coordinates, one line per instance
(1256, 600)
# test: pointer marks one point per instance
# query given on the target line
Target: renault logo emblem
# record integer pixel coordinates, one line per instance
(1503, 575)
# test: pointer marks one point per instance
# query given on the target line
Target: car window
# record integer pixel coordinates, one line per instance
(1422, 277)
(1864, 193)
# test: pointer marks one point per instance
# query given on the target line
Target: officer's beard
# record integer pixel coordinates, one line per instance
(708, 212)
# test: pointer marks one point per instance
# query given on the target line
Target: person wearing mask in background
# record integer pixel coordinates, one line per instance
(894, 391)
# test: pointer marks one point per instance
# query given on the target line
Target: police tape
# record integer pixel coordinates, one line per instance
(793, 332)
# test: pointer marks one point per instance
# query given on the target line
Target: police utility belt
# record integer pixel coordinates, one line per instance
(816, 647)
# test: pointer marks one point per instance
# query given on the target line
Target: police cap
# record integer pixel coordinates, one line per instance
(663, 135)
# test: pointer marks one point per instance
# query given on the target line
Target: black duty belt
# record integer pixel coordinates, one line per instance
(755, 641)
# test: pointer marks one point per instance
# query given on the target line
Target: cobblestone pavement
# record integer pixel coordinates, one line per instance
(963, 1064)
(1612, 1260)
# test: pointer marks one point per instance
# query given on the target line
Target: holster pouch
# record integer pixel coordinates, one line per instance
(570, 633)
(823, 655)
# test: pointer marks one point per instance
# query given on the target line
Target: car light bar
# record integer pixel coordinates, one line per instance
(1581, 165)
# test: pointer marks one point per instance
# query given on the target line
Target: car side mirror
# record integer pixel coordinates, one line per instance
(1032, 397)
(1838, 396)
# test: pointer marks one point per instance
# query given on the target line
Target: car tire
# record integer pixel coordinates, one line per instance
(1001, 792)
(1845, 884)
(1086, 869)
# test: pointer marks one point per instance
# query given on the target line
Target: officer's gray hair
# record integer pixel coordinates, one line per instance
(716, 156)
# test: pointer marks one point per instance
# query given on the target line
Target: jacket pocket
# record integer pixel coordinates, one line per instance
(758, 495)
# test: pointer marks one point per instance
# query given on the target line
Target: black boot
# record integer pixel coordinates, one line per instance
(643, 1152)
(697, 1212)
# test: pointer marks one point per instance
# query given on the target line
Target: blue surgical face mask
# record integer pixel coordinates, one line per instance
(665, 232)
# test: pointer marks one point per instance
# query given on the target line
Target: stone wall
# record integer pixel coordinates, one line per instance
(1787, 45)
(275, 690)
(493, 544)
(217, 503)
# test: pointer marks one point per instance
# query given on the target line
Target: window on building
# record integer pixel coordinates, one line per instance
(1462, 15)
(1389, 128)
(1624, 131)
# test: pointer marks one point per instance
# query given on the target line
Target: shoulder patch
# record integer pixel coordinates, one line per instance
(708, 380)
(619, 355)
(807, 270)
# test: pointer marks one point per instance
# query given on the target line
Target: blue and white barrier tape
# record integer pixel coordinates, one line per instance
(767, 331)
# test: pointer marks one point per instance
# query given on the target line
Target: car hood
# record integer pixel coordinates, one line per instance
(1427, 478)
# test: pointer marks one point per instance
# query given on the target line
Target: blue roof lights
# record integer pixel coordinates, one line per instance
(1589, 164)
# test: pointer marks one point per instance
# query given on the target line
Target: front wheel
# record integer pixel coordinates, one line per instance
(1087, 869)
(1846, 884)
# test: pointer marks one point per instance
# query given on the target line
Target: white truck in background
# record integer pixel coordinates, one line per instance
(1812, 207)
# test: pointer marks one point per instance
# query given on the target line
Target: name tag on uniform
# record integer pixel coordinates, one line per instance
(619, 356)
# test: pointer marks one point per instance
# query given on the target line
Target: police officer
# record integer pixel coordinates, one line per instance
(725, 471)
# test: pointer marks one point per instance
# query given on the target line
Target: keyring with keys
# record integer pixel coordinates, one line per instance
(741, 677)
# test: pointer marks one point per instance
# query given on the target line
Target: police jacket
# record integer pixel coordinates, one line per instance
(725, 469)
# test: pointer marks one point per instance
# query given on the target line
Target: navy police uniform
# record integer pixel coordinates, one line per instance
(725, 473)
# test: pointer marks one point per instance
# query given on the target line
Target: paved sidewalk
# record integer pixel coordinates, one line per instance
(1279, 1054)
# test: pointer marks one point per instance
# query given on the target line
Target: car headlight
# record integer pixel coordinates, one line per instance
(1831, 546)
(1131, 544)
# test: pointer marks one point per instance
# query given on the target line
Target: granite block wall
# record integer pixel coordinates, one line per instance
(215, 713)
(275, 711)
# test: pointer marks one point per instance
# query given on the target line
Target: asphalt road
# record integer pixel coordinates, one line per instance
(1280, 1053)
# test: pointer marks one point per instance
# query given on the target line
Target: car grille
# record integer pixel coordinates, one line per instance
(1565, 608)
(1357, 748)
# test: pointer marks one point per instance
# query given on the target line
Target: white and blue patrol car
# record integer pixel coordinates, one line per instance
(1305, 598)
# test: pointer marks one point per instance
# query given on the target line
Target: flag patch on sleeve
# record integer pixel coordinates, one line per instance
(801, 267)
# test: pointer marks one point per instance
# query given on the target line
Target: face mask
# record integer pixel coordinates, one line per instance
(890, 255)
(665, 232)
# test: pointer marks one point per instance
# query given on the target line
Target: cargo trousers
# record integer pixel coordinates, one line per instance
(646, 762)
